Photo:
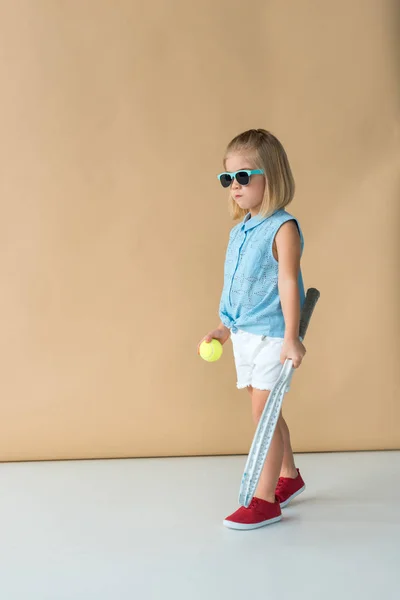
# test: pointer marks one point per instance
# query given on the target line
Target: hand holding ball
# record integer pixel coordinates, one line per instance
(211, 351)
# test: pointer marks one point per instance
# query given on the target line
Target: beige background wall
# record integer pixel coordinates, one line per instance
(113, 118)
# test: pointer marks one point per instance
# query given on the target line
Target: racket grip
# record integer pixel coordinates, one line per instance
(310, 302)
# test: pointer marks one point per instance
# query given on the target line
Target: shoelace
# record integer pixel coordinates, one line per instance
(255, 503)
(280, 485)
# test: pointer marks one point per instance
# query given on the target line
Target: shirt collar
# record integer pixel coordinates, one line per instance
(250, 222)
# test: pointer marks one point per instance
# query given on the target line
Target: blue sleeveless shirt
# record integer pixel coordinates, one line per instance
(250, 297)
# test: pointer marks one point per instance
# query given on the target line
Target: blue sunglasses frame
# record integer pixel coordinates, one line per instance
(248, 172)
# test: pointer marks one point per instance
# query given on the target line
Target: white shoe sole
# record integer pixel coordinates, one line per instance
(292, 497)
(243, 526)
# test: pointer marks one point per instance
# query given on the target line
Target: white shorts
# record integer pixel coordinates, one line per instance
(257, 359)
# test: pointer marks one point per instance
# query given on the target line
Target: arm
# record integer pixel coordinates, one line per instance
(225, 333)
(221, 333)
(289, 252)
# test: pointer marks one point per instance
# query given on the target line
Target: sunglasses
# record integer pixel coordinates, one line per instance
(242, 177)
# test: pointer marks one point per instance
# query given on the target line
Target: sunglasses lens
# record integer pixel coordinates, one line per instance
(225, 180)
(242, 178)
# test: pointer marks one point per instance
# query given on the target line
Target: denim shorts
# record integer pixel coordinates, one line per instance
(257, 359)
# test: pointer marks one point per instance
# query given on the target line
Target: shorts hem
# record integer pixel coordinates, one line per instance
(263, 387)
(242, 386)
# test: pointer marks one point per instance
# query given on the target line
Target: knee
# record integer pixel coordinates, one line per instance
(259, 400)
(257, 411)
(282, 422)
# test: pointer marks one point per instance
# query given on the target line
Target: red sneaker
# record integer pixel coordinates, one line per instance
(288, 488)
(259, 513)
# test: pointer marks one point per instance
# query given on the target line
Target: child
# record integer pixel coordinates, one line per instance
(261, 302)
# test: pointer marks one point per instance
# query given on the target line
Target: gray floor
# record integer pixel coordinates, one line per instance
(151, 529)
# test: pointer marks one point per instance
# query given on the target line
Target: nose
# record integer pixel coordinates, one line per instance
(235, 185)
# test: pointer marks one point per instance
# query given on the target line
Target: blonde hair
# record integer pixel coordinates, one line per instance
(268, 154)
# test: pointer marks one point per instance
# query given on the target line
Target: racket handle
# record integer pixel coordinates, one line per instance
(310, 302)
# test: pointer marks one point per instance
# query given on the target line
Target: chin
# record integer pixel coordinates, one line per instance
(243, 205)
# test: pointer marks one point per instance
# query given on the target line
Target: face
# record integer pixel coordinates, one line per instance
(250, 196)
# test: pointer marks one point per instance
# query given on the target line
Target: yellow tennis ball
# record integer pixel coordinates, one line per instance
(212, 351)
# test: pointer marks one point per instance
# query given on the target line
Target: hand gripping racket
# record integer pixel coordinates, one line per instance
(269, 418)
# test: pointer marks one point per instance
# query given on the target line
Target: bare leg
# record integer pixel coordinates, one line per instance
(273, 463)
(288, 465)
